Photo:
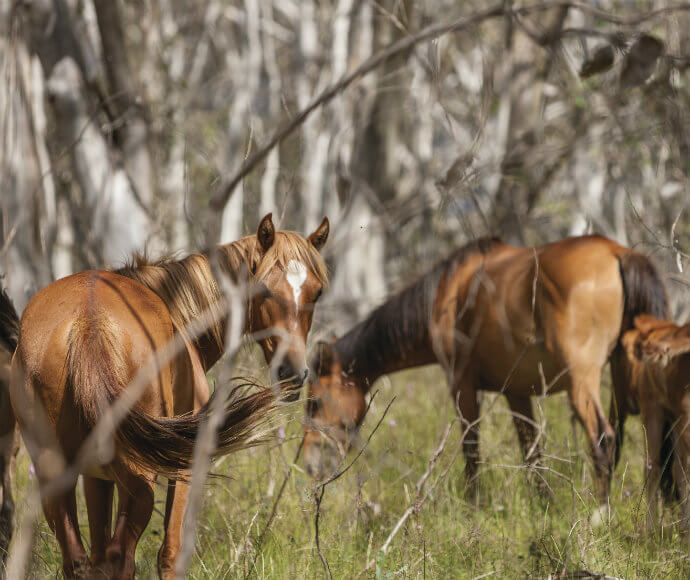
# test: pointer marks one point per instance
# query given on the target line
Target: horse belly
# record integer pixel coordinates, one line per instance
(104, 472)
(527, 370)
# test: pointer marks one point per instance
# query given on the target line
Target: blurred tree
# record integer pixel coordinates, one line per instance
(121, 119)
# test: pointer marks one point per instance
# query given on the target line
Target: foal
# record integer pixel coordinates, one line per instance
(658, 377)
(84, 338)
(491, 315)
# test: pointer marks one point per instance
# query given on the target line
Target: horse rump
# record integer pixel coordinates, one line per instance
(97, 375)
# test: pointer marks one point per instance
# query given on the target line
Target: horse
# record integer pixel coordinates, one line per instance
(492, 315)
(9, 334)
(83, 340)
(657, 372)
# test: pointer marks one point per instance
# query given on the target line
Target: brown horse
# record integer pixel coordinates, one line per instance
(657, 373)
(85, 338)
(493, 315)
(9, 333)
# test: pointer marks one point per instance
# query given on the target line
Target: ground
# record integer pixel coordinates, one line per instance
(512, 533)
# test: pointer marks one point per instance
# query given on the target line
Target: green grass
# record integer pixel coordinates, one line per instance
(511, 534)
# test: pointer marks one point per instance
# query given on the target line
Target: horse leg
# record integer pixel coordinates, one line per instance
(99, 505)
(584, 398)
(467, 406)
(618, 411)
(681, 467)
(61, 514)
(523, 419)
(175, 504)
(653, 421)
(135, 505)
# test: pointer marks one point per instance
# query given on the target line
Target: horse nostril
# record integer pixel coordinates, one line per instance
(285, 372)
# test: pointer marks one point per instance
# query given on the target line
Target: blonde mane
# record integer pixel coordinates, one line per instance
(189, 288)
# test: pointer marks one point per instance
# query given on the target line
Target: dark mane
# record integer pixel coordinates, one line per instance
(400, 326)
(9, 323)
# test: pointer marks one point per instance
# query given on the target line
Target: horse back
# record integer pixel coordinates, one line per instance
(556, 305)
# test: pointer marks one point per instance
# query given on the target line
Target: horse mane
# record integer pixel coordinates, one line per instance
(188, 287)
(401, 324)
(9, 323)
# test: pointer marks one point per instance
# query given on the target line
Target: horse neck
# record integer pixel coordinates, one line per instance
(358, 365)
(397, 334)
(382, 344)
(189, 289)
(233, 260)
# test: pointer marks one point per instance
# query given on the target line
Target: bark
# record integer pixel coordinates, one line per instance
(117, 223)
(519, 120)
(315, 141)
(126, 101)
(23, 203)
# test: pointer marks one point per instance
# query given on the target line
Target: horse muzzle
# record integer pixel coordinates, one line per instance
(290, 382)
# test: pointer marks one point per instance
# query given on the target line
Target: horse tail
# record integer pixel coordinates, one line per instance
(97, 374)
(644, 293)
(9, 323)
(643, 289)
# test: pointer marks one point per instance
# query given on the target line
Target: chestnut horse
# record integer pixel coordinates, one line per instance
(84, 338)
(9, 333)
(492, 315)
(657, 373)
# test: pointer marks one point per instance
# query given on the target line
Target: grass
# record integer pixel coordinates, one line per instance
(512, 533)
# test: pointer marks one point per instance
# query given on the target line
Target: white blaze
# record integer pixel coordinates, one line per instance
(296, 276)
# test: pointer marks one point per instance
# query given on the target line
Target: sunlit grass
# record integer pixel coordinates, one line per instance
(511, 533)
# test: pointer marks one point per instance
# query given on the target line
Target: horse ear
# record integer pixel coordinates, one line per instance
(320, 235)
(660, 340)
(646, 323)
(266, 234)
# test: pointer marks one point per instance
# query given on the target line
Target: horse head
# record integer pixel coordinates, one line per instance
(335, 408)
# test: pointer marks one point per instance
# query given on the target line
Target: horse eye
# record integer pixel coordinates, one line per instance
(262, 291)
(318, 295)
(314, 405)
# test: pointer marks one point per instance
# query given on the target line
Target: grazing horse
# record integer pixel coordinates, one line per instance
(9, 333)
(656, 371)
(84, 338)
(492, 316)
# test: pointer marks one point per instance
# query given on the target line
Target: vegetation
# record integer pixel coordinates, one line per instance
(511, 533)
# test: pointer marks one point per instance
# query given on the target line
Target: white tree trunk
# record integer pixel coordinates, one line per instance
(119, 225)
